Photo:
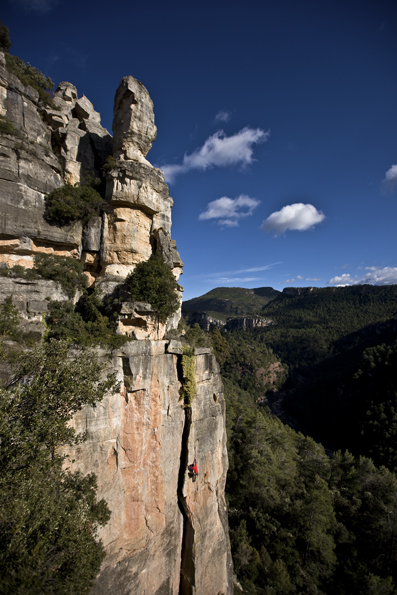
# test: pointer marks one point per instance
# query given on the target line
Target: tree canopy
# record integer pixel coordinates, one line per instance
(152, 281)
(71, 203)
(301, 521)
(48, 515)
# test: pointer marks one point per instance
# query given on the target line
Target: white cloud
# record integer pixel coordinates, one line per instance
(228, 211)
(344, 279)
(390, 180)
(295, 217)
(377, 276)
(256, 269)
(222, 116)
(42, 6)
(229, 277)
(265, 267)
(221, 151)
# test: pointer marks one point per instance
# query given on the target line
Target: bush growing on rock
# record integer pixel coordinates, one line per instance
(189, 386)
(152, 282)
(84, 325)
(7, 127)
(70, 203)
(65, 270)
(110, 164)
(9, 319)
(5, 42)
(32, 76)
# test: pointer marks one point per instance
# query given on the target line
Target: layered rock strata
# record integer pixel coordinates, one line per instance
(246, 322)
(62, 144)
(167, 535)
(138, 196)
(50, 147)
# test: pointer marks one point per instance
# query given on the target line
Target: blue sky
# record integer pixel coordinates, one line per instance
(277, 125)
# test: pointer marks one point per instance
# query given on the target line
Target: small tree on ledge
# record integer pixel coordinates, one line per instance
(152, 282)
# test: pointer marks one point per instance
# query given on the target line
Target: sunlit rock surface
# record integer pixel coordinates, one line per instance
(167, 534)
(139, 214)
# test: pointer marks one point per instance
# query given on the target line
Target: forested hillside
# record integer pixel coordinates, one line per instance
(300, 521)
(335, 349)
(224, 302)
(303, 519)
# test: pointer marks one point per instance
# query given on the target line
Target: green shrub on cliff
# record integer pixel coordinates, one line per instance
(152, 282)
(5, 42)
(189, 385)
(48, 515)
(9, 320)
(65, 270)
(7, 127)
(110, 164)
(84, 325)
(32, 76)
(69, 203)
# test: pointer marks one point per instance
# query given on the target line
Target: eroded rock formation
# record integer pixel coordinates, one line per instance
(62, 145)
(138, 197)
(246, 322)
(167, 535)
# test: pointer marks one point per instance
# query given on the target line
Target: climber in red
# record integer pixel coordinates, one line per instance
(193, 469)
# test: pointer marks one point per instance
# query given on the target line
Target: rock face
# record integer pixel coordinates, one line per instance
(31, 299)
(51, 147)
(204, 320)
(246, 322)
(56, 146)
(167, 534)
(138, 197)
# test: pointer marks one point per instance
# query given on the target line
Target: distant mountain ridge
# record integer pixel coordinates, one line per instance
(230, 302)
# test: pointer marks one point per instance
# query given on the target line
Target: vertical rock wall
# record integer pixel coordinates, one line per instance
(167, 534)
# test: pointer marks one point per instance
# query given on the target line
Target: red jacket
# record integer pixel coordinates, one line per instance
(195, 469)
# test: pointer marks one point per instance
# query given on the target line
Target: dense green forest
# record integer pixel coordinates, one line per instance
(303, 519)
(300, 521)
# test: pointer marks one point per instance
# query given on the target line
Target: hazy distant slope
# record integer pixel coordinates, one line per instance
(224, 302)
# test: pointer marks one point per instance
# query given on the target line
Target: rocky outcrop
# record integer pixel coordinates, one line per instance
(50, 147)
(297, 290)
(31, 299)
(204, 320)
(62, 144)
(137, 319)
(138, 196)
(167, 534)
(245, 322)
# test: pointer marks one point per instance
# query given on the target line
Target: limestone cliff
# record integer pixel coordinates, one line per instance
(167, 534)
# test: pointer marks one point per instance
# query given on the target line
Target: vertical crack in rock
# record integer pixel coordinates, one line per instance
(127, 373)
(187, 576)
